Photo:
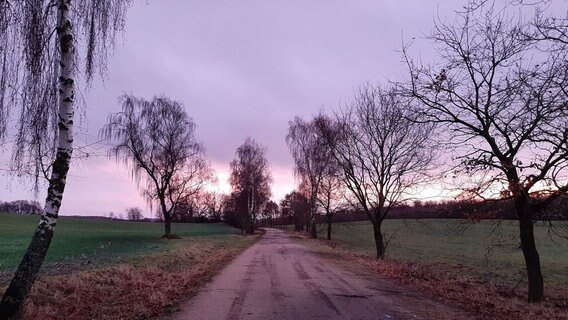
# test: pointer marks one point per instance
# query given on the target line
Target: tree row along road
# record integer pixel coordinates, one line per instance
(279, 279)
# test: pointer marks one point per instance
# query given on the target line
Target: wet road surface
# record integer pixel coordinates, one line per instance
(277, 278)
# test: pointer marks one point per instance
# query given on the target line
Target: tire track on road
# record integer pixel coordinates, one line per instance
(237, 305)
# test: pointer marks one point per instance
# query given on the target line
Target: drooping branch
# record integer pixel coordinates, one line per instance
(156, 140)
(29, 69)
(250, 182)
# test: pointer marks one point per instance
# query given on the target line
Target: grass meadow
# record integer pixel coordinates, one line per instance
(104, 269)
(476, 267)
(488, 250)
(84, 241)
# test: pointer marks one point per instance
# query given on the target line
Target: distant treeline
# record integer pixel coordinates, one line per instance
(20, 207)
(464, 209)
(444, 209)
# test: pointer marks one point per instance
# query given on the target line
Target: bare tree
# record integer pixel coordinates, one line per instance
(331, 194)
(212, 202)
(312, 160)
(547, 27)
(134, 214)
(38, 54)
(550, 30)
(156, 139)
(20, 207)
(295, 206)
(269, 213)
(230, 209)
(382, 151)
(199, 207)
(250, 181)
(503, 104)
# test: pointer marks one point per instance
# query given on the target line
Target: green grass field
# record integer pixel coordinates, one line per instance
(484, 250)
(81, 240)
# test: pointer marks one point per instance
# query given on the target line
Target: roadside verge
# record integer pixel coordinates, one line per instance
(484, 299)
(144, 286)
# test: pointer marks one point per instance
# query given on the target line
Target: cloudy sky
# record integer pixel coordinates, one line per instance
(241, 68)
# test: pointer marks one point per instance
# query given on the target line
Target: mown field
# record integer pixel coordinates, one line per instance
(88, 241)
(487, 250)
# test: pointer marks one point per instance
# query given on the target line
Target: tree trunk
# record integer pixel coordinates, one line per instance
(314, 230)
(252, 224)
(26, 273)
(244, 223)
(29, 267)
(298, 223)
(379, 241)
(251, 227)
(167, 218)
(167, 227)
(328, 226)
(530, 252)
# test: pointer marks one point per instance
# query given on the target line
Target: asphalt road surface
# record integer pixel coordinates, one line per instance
(279, 279)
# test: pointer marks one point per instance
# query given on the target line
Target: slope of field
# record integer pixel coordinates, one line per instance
(487, 250)
(87, 241)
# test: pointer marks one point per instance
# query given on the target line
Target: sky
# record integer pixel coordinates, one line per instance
(241, 68)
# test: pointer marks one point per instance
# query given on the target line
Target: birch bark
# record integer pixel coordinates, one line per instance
(32, 261)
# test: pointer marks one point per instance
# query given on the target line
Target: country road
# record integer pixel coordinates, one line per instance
(279, 279)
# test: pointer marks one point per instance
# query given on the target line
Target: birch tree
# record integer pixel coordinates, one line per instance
(331, 194)
(503, 103)
(156, 140)
(38, 66)
(312, 161)
(250, 180)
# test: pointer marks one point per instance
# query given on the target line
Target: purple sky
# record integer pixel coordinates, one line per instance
(241, 68)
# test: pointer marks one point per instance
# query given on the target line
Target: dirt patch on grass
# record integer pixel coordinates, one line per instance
(146, 286)
(450, 286)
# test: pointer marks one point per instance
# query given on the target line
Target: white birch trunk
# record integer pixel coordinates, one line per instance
(65, 116)
(27, 271)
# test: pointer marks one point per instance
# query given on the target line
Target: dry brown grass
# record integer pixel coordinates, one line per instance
(487, 300)
(147, 286)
